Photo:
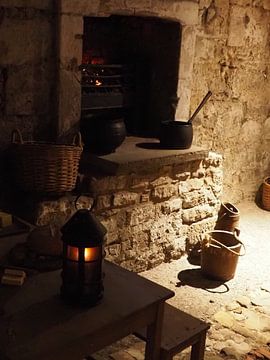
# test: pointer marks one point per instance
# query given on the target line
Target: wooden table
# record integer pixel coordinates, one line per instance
(36, 324)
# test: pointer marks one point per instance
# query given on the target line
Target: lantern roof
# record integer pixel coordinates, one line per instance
(83, 229)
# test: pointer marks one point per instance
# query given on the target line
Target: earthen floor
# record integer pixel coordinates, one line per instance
(238, 310)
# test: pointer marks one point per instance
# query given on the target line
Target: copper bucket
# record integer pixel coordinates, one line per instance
(228, 217)
(220, 252)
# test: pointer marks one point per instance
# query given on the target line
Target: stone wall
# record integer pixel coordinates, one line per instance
(151, 217)
(27, 74)
(28, 58)
(232, 58)
(225, 48)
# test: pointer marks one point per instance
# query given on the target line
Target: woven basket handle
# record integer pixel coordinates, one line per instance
(16, 137)
(77, 139)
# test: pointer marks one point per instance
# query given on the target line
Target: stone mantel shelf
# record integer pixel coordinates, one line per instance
(139, 155)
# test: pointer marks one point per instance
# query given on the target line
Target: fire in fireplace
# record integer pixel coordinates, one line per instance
(130, 66)
(106, 86)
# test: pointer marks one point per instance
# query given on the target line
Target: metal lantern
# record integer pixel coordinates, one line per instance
(83, 252)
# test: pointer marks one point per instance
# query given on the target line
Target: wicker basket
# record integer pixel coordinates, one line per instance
(45, 168)
(266, 193)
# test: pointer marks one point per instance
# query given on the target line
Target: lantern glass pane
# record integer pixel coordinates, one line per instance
(72, 253)
(90, 254)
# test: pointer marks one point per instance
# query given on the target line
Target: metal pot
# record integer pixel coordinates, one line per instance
(176, 135)
(179, 134)
(102, 133)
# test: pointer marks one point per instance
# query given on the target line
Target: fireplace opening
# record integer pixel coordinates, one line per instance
(130, 69)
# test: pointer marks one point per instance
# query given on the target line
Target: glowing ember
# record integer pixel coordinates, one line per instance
(98, 83)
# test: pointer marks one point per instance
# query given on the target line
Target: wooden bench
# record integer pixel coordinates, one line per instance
(180, 330)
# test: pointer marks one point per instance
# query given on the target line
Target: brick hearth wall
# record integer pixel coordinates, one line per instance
(153, 217)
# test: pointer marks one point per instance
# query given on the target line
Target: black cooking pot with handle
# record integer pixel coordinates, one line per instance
(179, 134)
(176, 134)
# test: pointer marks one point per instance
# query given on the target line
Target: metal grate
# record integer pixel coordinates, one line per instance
(107, 86)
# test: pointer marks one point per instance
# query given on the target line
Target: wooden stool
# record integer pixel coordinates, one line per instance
(180, 330)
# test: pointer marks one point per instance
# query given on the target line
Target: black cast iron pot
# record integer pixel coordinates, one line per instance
(179, 134)
(176, 135)
(102, 134)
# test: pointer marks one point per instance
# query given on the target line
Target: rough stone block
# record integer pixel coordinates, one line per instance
(139, 4)
(164, 192)
(187, 52)
(200, 173)
(205, 49)
(139, 183)
(126, 245)
(160, 232)
(103, 202)
(195, 165)
(26, 41)
(141, 242)
(113, 251)
(216, 175)
(266, 128)
(155, 257)
(182, 176)
(190, 185)
(162, 180)
(194, 198)
(107, 184)
(113, 222)
(213, 159)
(171, 205)
(141, 214)
(112, 238)
(36, 4)
(197, 169)
(70, 43)
(84, 202)
(145, 197)
(125, 198)
(184, 94)
(69, 101)
(20, 91)
(197, 213)
(112, 6)
(84, 7)
(266, 4)
(54, 211)
(195, 231)
(165, 170)
(177, 248)
(252, 77)
(187, 12)
(110, 224)
(242, 2)
(237, 28)
(217, 190)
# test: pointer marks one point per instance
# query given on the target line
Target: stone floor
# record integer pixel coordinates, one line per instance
(238, 310)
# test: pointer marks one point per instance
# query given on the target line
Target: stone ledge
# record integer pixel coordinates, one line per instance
(140, 156)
